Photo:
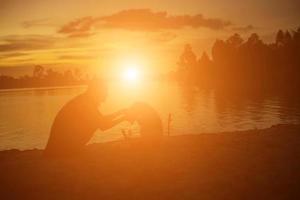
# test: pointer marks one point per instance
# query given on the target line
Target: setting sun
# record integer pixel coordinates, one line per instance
(131, 71)
(131, 74)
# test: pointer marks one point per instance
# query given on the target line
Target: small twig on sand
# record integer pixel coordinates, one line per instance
(169, 123)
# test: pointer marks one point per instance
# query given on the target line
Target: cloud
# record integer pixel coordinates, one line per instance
(244, 28)
(82, 27)
(145, 19)
(12, 55)
(22, 60)
(77, 57)
(140, 20)
(25, 42)
(38, 22)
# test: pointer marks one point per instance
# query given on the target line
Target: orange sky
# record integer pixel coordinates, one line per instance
(101, 34)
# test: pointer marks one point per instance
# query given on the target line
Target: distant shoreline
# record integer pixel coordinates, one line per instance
(274, 128)
(40, 88)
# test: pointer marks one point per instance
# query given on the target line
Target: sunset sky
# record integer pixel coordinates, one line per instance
(102, 34)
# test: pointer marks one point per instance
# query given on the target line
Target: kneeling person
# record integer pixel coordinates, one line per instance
(77, 121)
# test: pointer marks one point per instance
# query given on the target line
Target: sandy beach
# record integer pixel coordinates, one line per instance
(254, 164)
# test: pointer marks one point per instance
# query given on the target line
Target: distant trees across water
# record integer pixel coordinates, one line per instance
(42, 77)
(235, 64)
(245, 64)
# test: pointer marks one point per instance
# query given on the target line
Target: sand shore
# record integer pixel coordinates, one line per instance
(255, 164)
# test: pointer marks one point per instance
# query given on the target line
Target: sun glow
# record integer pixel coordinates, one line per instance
(131, 72)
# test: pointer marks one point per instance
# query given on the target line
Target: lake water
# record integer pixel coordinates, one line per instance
(26, 115)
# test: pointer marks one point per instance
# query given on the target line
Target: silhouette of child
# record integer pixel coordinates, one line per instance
(147, 118)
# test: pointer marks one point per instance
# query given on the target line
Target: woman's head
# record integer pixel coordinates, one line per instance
(97, 89)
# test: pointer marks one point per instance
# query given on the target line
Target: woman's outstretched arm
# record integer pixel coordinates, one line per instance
(115, 115)
(111, 120)
(111, 123)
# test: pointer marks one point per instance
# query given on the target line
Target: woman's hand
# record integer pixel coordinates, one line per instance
(129, 115)
(123, 111)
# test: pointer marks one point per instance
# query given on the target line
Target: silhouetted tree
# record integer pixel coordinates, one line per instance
(235, 40)
(38, 71)
(218, 51)
(287, 37)
(279, 38)
(187, 59)
(187, 64)
(254, 40)
(249, 64)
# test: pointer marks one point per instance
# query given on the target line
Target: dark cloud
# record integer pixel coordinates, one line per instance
(12, 55)
(244, 28)
(82, 27)
(25, 42)
(145, 19)
(141, 20)
(37, 22)
(76, 57)
(20, 60)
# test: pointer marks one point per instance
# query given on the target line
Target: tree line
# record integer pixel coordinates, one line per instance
(235, 64)
(245, 64)
(42, 77)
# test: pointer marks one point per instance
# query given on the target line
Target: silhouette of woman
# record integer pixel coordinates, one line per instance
(78, 120)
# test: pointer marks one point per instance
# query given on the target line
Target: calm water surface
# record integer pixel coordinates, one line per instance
(26, 115)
